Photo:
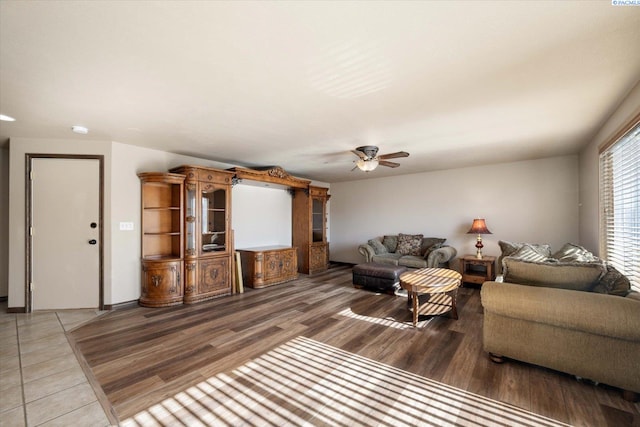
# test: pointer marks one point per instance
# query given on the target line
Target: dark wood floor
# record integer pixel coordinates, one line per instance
(140, 356)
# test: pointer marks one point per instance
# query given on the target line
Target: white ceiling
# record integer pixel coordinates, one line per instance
(299, 84)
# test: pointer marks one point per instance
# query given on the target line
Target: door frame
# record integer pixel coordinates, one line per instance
(29, 218)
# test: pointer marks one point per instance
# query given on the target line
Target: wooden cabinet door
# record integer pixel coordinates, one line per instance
(318, 258)
(214, 276)
(161, 283)
(289, 263)
(272, 265)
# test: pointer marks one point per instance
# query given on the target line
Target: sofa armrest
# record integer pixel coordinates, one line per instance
(367, 251)
(441, 256)
(600, 314)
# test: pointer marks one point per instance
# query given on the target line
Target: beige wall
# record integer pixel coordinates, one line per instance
(4, 222)
(529, 201)
(589, 167)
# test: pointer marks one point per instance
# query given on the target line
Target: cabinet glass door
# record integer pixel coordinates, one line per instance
(214, 220)
(191, 220)
(317, 218)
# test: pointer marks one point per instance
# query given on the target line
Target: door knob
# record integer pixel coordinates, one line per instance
(93, 241)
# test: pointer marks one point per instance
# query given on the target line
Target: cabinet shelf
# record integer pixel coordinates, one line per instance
(162, 244)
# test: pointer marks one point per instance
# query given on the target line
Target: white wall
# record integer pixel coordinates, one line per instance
(589, 169)
(260, 216)
(4, 222)
(529, 201)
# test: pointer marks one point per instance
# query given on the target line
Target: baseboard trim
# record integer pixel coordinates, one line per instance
(121, 305)
(16, 310)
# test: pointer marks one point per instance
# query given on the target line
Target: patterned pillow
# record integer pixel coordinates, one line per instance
(391, 243)
(377, 246)
(613, 283)
(531, 253)
(509, 248)
(570, 252)
(409, 244)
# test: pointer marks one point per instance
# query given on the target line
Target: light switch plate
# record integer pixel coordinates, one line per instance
(126, 226)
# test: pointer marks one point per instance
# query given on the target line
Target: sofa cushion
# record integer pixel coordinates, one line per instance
(386, 258)
(377, 246)
(574, 253)
(605, 315)
(413, 261)
(390, 242)
(409, 244)
(428, 243)
(613, 283)
(581, 276)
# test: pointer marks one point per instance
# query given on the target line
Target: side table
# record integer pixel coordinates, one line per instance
(478, 271)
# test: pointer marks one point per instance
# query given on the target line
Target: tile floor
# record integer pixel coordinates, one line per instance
(41, 382)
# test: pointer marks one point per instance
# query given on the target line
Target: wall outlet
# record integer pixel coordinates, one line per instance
(126, 226)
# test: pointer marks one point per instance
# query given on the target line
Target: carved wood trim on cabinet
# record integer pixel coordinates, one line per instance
(268, 265)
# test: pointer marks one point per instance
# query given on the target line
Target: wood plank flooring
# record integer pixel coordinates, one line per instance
(140, 357)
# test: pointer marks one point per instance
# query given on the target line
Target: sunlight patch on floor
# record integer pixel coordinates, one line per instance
(305, 382)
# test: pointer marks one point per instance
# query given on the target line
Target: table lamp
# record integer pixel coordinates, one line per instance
(479, 227)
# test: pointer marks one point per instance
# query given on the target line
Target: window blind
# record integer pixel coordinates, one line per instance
(620, 205)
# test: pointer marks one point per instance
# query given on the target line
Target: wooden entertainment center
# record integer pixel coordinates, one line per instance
(187, 239)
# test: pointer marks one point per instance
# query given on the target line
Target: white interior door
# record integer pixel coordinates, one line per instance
(65, 249)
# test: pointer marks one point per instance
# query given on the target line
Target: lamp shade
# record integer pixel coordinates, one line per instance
(479, 227)
(367, 165)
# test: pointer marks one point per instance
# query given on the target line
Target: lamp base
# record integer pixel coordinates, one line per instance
(479, 245)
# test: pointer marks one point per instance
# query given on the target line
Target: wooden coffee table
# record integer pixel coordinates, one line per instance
(441, 284)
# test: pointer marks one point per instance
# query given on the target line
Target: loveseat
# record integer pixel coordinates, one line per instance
(568, 311)
(408, 250)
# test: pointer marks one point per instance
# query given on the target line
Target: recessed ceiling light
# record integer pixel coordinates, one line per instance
(80, 129)
(6, 118)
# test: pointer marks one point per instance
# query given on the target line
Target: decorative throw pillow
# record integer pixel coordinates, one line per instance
(391, 243)
(574, 253)
(428, 242)
(431, 249)
(377, 246)
(613, 283)
(531, 253)
(409, 244)
(509, 248)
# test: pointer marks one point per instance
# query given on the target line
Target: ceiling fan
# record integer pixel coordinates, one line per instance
(369, 159)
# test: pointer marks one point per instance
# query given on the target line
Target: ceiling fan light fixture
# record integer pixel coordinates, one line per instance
(367, 165)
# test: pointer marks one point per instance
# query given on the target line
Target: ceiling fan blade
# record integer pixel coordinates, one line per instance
(388, 164)
(360, 154)
(393, 155)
